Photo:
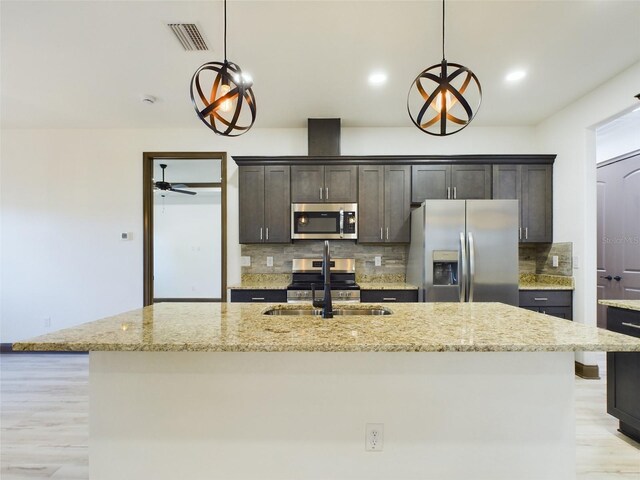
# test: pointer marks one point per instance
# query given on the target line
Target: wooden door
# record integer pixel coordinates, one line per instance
(397, 203)
(430, 182)
(470, 182)
(277, 204)
(307, 184)
(370, 203)
(618, 259)
(341, 184)
(629, 262)
(251, 204)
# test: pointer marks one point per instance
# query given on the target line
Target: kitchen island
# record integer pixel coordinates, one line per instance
(465, 391)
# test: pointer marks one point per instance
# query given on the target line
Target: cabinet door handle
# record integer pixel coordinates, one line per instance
(387, 233)
(632, 325)
(455, 192)
(448, 193)
(257, 298)
(520, 233)
(320, 193)
(540, 299)
(608, 277)
(526, 233)
(267, 233)
(389, 299)
(260, 233)
(327, 193)
(617, 278)
(381, 233)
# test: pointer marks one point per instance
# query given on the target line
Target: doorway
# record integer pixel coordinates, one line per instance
(184, 223)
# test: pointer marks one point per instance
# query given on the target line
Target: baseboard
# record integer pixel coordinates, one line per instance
(8, 348)
(590, 372)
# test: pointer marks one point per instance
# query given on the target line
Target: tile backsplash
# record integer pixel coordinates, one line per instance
(394, 257)
(534, 258)
(537, 258)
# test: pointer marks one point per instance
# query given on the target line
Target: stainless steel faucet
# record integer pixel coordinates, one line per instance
(325, 303)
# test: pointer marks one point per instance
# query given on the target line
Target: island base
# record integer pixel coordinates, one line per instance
(467, 416)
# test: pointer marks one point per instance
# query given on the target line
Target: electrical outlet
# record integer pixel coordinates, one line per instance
(576, 263)
(125, 236)
(377, 260)
(245, 261)
(554, 261)
(374, 437)
(269, 261)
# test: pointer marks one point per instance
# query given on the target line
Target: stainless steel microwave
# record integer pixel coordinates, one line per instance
(324, 221)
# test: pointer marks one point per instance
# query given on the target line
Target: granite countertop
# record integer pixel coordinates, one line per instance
(626, 304)
(531, 281)
(263, 281)
(412, 327)
(386, 286)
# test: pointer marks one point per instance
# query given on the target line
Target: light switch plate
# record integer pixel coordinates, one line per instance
(554, 261)
(269, 261)
(124, 236)
(377, 260)
(576, 263)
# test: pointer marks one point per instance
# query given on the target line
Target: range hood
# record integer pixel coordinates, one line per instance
(324, 137)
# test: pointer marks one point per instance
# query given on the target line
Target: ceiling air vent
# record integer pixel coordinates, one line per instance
(189, 36)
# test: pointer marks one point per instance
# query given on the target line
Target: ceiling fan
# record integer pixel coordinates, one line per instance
(168, 187)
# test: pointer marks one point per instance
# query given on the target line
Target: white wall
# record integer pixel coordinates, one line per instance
(187, 245)
(571, 134)
(67, 195)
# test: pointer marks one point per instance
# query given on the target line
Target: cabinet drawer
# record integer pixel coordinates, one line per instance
(388, 296)
(623, 321)
(545, 298)
(279, 296)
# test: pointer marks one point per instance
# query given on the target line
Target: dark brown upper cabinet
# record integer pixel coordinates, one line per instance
(533, 186)
(441, 182)
(384, 204)
(264, 204)
(324, 184)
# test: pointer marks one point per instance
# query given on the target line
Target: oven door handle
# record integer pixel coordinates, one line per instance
(341, 223)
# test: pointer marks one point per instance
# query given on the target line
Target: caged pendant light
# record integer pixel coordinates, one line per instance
(444, 98)
(229, 109)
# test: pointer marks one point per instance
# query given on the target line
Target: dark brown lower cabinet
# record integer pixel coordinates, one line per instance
(374, 296)
(259, 295)
(557, 303)
(623, 374)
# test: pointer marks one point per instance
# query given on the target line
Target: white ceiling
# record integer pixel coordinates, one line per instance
(87, 63)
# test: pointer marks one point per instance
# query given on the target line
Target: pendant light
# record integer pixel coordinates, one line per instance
(229, 109)
(444, 98)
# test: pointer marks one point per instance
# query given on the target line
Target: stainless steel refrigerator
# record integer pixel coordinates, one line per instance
(465, 251)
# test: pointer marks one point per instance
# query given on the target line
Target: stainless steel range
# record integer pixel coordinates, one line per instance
(308, 271)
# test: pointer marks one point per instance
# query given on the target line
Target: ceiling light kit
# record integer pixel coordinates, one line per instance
(515, 76)
(230, 108)
(440, 99)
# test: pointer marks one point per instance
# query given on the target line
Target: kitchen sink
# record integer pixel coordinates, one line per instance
(318, 312)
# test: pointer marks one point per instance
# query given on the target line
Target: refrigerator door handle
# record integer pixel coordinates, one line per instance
(472, 265)
(462, 278)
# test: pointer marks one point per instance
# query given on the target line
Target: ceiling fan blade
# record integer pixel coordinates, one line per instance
(178, 185)
(182, 191)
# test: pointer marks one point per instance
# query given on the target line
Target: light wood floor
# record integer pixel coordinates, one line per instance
(44, 423)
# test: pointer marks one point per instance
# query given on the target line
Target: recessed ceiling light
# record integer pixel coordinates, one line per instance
(515, 76)
(377, 78)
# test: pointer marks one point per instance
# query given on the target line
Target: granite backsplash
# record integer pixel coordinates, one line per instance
(534, 258)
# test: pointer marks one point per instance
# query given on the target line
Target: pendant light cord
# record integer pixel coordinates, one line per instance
(442, 29)
(225, 31)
